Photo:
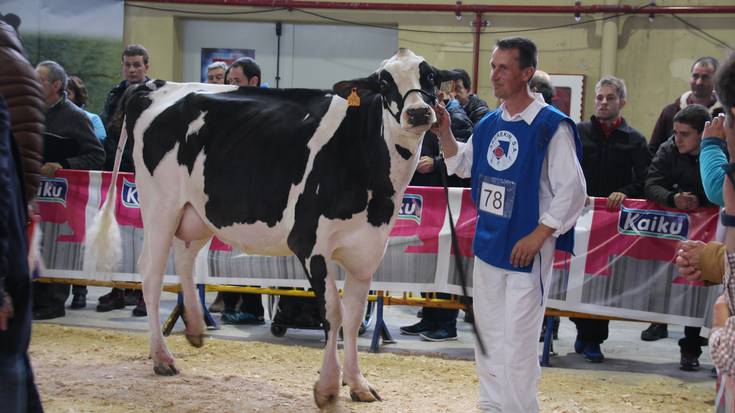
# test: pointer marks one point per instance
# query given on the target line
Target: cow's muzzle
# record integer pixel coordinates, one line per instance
(418, 116)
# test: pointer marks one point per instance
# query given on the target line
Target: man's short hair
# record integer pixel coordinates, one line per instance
(465, 78)
(527, 52)
(217, 65)
(706, 61)
(540, 84)
(55, 72)
(135, 50)
(693, 115)
(614, 82)
(248, 66)
(725, 84)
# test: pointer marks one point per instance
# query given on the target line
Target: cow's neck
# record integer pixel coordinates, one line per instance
(401, 169)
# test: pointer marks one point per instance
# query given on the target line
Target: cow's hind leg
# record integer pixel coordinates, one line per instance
(185, 254)
(354, 301)
(159, 230)
(326, 389)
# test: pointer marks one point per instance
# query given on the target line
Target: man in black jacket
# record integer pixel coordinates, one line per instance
(674, 181)
(439, 324)
(474, 107)
(615, 158)
(69, 143)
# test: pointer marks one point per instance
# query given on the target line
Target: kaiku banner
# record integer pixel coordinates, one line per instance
(622, 266)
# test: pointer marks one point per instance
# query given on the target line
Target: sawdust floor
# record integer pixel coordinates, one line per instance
(92, 370)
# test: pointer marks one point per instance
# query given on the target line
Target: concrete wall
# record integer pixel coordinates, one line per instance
(653, 57)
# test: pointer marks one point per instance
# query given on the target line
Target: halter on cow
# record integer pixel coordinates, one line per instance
(275, 172)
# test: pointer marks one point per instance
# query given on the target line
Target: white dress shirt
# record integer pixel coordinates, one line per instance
(562, 190)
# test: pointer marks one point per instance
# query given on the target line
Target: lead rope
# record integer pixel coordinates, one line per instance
(457, 261)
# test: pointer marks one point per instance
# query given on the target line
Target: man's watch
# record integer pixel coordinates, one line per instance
(726, 219)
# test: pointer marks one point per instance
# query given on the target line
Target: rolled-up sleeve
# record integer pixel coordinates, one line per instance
(563, 187)
(461, 163)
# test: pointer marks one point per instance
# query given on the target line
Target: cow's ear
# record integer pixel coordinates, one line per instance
(366, 84)
(446, 75)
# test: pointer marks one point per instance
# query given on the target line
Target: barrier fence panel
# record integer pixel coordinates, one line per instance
(622, 266)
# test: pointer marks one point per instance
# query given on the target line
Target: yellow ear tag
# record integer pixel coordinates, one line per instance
(353, 100)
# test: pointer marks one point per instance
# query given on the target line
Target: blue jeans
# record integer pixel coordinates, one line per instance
(18, 393)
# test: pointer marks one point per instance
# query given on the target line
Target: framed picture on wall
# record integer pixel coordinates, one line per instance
(569, 97)
(228, 56)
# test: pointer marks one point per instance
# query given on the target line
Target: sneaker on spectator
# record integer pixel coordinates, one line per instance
(416, 329)
(579, 345)
(238, 317)
(114, 300)
(140, 309)
(78, 301)
(655, 332)
(593, 353)
(218, 305)
(48, 313)
(133, 297)
(440, 334)
(689, 362)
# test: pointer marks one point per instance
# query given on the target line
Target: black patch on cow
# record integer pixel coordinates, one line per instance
(318, 278)
(353, 164)
(255, 142)
(135, 101)
(429, 81)
(405, 153)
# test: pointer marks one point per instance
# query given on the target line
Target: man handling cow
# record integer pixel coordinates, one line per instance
(529, 190)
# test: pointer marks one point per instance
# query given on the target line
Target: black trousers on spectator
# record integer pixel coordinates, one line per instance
(692, 343)
(594, 331)
(440, 317)
(251, 303)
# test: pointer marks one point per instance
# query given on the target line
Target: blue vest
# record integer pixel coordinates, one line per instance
(506, 171)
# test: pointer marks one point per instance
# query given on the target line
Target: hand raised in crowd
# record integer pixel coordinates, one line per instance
(49, 169)
(686, 200)
(6, 312)
(721, 312)
(687, 259)
(426, 165)
(615, 200)
(715, 128)
(527, 247)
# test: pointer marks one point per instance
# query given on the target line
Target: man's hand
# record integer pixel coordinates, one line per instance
(6, 312)
(615, 199)
(686, 201)
(687, 259)
(721, 312)
(426, 165)
(527, 247)
(443, 126)
(49, 169)
(716, 128)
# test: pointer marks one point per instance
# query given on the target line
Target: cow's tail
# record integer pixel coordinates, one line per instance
(103, 246)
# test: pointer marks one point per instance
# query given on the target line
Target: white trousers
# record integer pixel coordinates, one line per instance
(509, 308)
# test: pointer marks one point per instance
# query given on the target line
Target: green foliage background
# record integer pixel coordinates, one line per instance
(95, 60)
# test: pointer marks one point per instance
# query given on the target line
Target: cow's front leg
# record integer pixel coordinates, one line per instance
(354, 300)
(326, 389)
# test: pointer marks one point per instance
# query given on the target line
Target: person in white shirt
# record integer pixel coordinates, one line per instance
(529, 190)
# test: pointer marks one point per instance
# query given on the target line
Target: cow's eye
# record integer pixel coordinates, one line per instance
(431, 77)
(383, 84)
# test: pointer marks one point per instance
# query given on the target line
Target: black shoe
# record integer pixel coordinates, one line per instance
(420, 313)
(133, 297)
(440, 334)
(416, 329)
(689, 362)
(655, 332)
(78, 301)
(48, 313)
(593, 353)
(140, 309)
(469, 317)
(112, 301)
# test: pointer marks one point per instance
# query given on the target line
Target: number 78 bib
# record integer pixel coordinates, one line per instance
(496, 196)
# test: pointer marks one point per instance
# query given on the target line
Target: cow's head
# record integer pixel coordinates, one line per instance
(407, 85)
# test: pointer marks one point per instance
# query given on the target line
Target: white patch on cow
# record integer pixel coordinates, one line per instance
(195, 125)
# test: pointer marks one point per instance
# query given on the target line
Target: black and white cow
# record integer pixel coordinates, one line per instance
(277, 172)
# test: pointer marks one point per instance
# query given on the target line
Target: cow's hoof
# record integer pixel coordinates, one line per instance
(196, 340)
(365, 396)
(164, 369)
(323, 400)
